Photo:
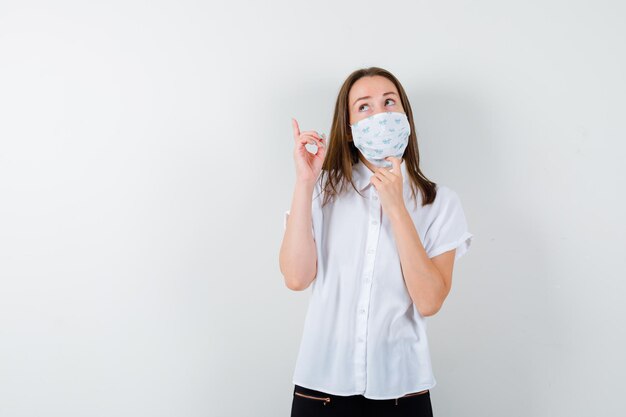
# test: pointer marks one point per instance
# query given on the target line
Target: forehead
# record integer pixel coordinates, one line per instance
(371, 86)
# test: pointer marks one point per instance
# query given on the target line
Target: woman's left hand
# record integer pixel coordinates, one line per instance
(388, 183)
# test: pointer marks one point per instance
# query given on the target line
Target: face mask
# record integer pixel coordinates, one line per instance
(381, 135)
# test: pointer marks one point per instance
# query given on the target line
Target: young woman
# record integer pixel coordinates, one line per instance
(376, 241)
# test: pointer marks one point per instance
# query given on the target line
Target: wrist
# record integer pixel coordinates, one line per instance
(306, 184)
(397, 212)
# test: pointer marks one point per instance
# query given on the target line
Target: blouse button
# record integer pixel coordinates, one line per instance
(375, 198)
(362, 310)
(374, 222)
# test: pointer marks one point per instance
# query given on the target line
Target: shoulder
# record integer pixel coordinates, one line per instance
(445, 207)
(445, 197)
(447, 227)
(445, 194)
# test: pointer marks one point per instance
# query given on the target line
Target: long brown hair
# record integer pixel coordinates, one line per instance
(342, 153)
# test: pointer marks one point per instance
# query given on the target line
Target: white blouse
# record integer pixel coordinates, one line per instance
(362, 332)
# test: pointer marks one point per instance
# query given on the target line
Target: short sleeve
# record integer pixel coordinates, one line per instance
(449, 228)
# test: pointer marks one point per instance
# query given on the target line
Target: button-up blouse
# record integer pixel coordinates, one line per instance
(362, 332)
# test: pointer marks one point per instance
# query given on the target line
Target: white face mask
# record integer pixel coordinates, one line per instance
(381, 135)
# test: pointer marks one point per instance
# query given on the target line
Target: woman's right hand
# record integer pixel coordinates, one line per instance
(308, 165)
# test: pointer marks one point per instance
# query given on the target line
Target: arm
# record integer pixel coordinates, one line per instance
(298, 254)
(428, 280)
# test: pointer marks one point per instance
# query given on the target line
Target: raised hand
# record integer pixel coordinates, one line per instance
(308, 165)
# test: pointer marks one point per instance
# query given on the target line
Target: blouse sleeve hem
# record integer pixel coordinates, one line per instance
(462, 245)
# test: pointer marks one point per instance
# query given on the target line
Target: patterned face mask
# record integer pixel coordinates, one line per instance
(381, 135)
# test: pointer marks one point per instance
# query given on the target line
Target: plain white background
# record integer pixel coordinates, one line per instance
(146, 164)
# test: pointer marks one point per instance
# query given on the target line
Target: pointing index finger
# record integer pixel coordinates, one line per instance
(296, 128)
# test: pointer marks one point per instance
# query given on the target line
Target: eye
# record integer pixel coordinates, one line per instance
(389, 99)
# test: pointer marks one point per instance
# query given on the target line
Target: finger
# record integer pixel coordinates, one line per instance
(312, 133)
(304, 142)
(379, 174)
(302, 147)
(383, 170)
(316, 141)
(375, 181)
(387, 172)
(296, 128)
(384, 173)
(395, 162)
(303, 150)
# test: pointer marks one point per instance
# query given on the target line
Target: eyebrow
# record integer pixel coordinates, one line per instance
(362, 98)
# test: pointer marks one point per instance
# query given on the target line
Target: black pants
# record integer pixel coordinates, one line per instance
(311, 403)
